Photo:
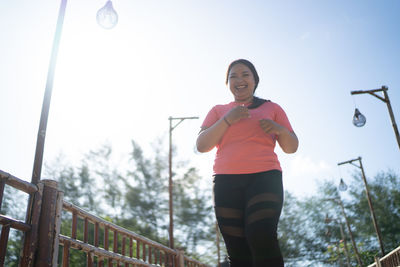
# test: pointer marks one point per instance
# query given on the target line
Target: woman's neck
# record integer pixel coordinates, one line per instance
(247, 101)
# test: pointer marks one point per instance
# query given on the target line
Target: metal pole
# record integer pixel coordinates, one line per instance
(170, 182)
(339, 201)
(171, 217)
(389, 106)
(38, 161)
(371, 208)
(37, 165)
(346, 251)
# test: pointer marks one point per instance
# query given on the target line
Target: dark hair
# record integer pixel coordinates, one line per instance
(256, 100)
(247, 64)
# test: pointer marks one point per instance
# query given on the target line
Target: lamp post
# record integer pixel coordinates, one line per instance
(170, 185)
(107, 18)
(339, 201)
(328, 220)
(38, 160)
(371, 208)
(359, 119)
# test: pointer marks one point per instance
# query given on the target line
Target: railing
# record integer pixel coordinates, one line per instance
(392, 259)
(30, 228)
(41, 244)
(127, 247)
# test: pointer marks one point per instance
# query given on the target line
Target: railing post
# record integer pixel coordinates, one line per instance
(48, 232)
(378, 261)
(59, 208)
(31, 237)
(180, 259)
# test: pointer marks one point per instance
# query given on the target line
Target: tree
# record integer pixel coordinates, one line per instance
(302, 229)
(146, 203)
(194, 214)
(384, 190)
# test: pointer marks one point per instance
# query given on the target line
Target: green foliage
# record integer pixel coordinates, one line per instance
(145, 200)
(194, 214)
(384, 190)
(302, 229)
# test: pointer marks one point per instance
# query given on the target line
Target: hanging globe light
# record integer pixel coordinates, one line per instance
(106, 16)
(359, 119)
(342, 185)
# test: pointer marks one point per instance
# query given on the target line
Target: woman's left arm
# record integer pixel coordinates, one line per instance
(287, 140)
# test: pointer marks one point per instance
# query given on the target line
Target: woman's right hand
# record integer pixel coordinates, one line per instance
(236, 114)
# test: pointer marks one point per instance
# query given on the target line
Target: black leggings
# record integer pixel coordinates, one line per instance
(247, 207)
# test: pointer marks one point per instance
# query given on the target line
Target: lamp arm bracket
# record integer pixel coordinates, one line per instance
(179, 122)
(377, 96)
(349, 161)
(355, 165)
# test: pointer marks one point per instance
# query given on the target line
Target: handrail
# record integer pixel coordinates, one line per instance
(193, 261)
(18, 183)
(392, 259)
(16, 224)
(92, 218)
(41, 240)
(102, 253)
(148, 252)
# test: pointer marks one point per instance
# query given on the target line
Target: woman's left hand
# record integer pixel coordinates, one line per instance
(271, 127)
(287, 140)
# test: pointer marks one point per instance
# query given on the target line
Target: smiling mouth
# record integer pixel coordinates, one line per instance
(241, 87)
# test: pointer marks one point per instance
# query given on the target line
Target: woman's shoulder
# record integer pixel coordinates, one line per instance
(271, 105)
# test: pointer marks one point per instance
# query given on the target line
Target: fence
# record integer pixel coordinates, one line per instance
(391, 259)
(42, 236)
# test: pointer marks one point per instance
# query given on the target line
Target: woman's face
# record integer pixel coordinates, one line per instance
(241, 83)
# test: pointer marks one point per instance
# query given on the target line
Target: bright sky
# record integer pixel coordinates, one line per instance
(168, 58)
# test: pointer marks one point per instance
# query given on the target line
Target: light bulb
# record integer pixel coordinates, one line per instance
(359, 119)
(342, 185)
(106, 16)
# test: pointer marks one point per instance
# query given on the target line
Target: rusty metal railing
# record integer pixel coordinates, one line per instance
(28, 228)
(391, 259)
(118, 247)
(127, 247)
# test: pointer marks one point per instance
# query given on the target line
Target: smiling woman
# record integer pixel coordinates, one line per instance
(248, 190)
(168, 58)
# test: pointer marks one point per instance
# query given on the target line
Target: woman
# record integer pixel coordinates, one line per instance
(248, 192)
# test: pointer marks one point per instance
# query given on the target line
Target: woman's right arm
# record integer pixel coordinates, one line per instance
(209, 137)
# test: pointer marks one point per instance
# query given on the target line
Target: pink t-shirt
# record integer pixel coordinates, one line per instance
(245, 147)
